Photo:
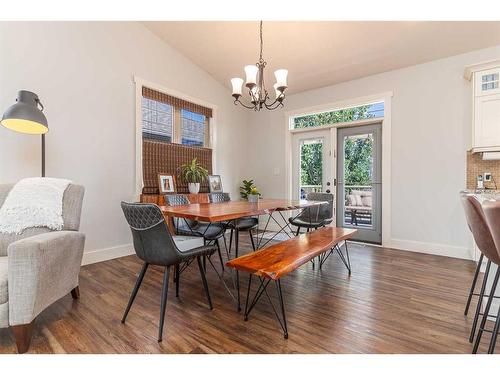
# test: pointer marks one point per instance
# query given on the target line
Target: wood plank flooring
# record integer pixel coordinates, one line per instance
(394, 302)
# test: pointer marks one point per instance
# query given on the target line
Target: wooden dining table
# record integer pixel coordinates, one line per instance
(234, 210)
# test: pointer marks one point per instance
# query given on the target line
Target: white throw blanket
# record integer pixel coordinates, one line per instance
(33, 202)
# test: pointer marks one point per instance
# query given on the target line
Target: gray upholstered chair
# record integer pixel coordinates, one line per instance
(316, 216)
(239, 225)
(154, 245)
(211, 232)
(38, 267)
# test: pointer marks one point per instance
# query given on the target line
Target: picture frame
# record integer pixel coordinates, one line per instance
(214, 184)
(166, 183)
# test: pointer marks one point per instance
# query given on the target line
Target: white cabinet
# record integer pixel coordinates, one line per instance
(486, 106)
(487, 121)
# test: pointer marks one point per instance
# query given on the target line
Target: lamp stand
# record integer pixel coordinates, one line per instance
(43, 155)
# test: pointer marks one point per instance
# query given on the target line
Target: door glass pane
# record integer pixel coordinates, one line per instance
(358, 172)
(311, 166)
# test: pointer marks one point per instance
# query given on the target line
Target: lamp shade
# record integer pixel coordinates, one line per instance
(25, 116)
(251, 75)
(237, 84)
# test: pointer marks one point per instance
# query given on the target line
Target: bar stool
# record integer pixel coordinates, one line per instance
(491, 211)
(483, 236)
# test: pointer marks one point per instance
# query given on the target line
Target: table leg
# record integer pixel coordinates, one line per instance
(170, 224)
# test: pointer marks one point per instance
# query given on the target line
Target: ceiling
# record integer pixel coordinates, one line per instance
(319, 54)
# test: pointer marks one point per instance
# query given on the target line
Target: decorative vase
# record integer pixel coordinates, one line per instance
(194, 187)
(252, 198)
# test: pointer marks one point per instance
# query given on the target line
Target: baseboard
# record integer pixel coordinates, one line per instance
(432, 248)
(101, 255)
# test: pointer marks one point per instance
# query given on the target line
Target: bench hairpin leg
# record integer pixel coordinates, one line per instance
(345, 259)
(260, 291)
(326, 255)
(262, 287)
(347, 254)
(282, 304)
(248, 296)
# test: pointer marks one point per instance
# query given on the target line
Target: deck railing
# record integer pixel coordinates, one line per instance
(306, 189)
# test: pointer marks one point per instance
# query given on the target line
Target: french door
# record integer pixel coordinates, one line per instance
(359, 176)
(313, 163)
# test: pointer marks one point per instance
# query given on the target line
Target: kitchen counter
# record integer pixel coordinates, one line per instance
(483, 194)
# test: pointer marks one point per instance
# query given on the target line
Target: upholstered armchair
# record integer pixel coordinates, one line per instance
(38, 267)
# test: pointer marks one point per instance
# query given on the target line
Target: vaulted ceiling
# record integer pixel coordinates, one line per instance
(319, 54)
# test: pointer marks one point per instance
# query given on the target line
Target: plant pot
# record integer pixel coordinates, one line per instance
(253, 198)
(194, 187)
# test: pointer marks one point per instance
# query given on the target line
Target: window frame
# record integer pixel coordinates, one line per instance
(210, 136)
(363, 121)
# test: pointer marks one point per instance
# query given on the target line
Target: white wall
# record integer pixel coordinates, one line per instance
(83, 73)
(431, 131)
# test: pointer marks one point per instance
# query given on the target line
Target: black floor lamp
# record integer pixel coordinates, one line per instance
(26, 117)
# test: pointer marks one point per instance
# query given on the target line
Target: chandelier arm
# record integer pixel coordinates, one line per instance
(236, 101)
(268, 106)
(274, 105)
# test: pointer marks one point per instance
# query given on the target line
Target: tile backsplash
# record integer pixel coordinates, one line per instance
(476, 165)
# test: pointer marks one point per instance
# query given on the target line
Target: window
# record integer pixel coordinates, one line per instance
(173, 120)
(157, 120)
(193, 128)
(489, 81)
(375, 110)
(170, 132)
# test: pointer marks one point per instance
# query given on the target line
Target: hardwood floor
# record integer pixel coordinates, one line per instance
(394, 302)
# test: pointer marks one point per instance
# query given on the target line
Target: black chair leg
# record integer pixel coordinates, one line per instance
(494, 334)
(205, 284)
(163, 306)
(479, 302)
(135, 290)
(177, 280)
(220, 255)
(473, 286)
(251, 239)
(308, 230)
(298, 231)
(230, 241)
(486, 312)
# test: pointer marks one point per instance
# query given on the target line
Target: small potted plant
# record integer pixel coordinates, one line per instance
(253, 197)
(193, 173)
(249, 191)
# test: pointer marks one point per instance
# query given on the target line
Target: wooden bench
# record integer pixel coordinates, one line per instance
(276, 261)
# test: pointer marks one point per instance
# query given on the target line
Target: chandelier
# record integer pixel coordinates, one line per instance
(258, 95)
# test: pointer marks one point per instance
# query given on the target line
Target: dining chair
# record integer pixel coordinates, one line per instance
(316, 216)
(154, 245)
(244, 224)
(211, 232)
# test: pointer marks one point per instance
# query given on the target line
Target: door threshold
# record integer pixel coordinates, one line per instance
(365, 243)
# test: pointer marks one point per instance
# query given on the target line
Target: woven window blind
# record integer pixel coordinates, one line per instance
(161, 157)
(176, 102)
